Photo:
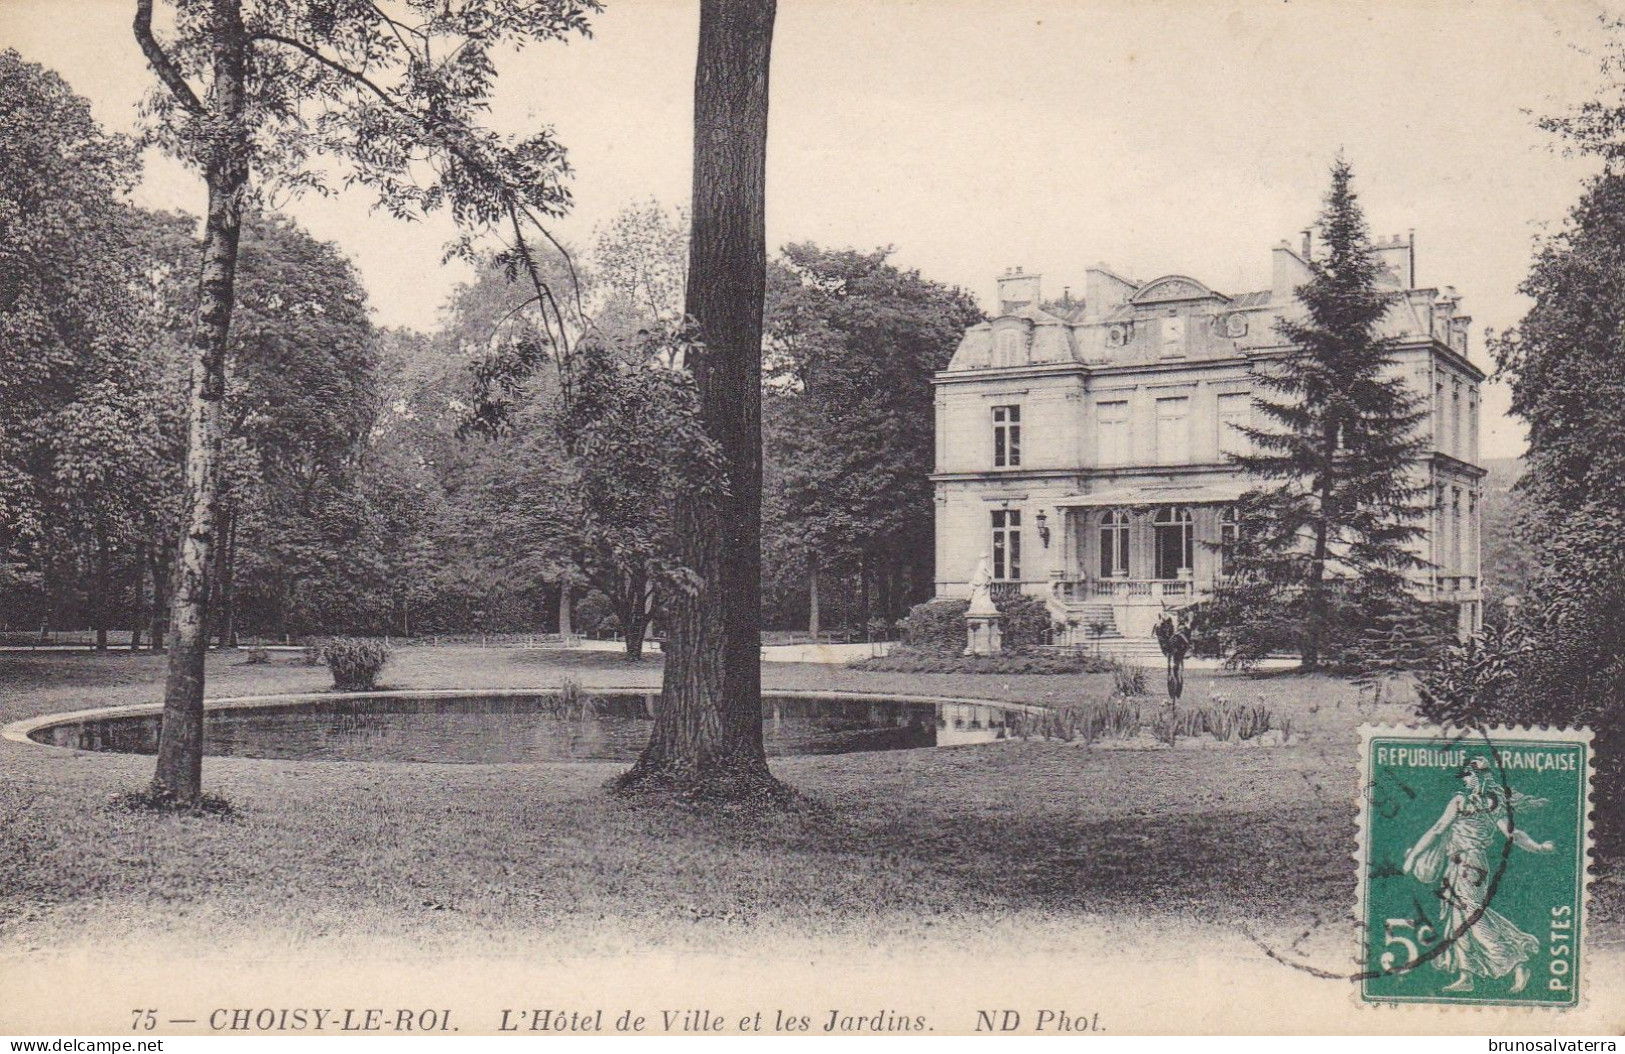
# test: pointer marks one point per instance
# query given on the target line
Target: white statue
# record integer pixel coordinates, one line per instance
(981, 588)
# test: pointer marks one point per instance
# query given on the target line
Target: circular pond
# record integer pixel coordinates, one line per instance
(483, 728)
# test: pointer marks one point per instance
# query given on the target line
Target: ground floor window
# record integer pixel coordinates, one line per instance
(1114, 544)
(1175, 540)
(1007, 544)
(1229, 532)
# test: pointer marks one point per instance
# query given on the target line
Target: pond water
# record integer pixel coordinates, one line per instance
(480, 729)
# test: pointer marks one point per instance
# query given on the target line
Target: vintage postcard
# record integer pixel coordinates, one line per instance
(546, 518)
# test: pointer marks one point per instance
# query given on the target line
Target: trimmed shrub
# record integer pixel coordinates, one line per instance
(936, 627)
(313, 651)
(1026, 622)
(257, 656)
(355, 662)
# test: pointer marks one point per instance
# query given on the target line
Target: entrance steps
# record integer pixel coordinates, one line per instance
(1137, 651)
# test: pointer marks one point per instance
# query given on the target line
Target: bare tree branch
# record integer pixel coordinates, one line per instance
(161, 63)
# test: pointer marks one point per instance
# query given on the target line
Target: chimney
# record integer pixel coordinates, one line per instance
(1396, 258)
(1289, 272)
(1105, 291)
(1017, 290)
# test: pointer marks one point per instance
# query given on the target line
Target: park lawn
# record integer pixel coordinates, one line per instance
(892, 846)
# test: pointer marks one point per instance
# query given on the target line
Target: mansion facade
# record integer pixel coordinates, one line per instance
(1082, 445)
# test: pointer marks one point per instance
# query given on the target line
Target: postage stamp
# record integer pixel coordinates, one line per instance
(1472, 861)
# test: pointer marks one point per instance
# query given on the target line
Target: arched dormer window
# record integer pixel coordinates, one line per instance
(1175, 538)
(1114, 543)
(1007, 348)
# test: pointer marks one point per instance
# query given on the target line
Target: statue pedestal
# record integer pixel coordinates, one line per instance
(982, 633)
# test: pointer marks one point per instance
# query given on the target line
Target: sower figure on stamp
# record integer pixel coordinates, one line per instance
(1483, 942)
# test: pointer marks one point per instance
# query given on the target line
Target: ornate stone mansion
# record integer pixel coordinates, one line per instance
(1081, 444)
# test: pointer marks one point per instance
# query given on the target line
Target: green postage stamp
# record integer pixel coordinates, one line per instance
(1472, 856)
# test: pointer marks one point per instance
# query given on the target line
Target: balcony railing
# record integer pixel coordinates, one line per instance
(1126, 589)
(1455, 583)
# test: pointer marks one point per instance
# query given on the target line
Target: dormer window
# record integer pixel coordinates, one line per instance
(1173, 336)
(1006, 436)
(1009, 348)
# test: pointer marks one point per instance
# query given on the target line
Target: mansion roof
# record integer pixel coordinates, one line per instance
(1121, 321)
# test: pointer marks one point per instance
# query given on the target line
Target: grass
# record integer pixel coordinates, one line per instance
(892, 846)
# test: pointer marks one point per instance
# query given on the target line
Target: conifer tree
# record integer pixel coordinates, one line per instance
(1322, 554)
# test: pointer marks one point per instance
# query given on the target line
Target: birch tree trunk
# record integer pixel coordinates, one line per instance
(180, 740)
(707, 737)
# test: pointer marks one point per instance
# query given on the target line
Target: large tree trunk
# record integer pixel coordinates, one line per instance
(707, 737)
(565, 627)
(180, 739)
(633, 611)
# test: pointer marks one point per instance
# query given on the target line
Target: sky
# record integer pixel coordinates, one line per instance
(1158, 137)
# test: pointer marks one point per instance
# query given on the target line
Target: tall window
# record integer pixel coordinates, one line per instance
(1006, 436)
(1235, 413)
(1175, 541)
(1441, 512)
(1438, 416)
(1472, 567)
(1112, 421)
(1455, 420)
(1229, 532)
(1007, 544)
(1472, 427)
(1455, 530)
(1114, 544)
(1173, 431)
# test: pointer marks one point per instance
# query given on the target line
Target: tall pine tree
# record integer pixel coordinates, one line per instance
(1322, 556)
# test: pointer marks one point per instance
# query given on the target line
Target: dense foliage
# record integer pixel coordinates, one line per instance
(353, 496)
(849, 432)
(938, 626)
(1560, 661)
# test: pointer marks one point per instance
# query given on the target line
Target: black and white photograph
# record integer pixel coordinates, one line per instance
(549, 518)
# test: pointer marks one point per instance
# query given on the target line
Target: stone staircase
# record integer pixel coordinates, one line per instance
(1141, 651)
